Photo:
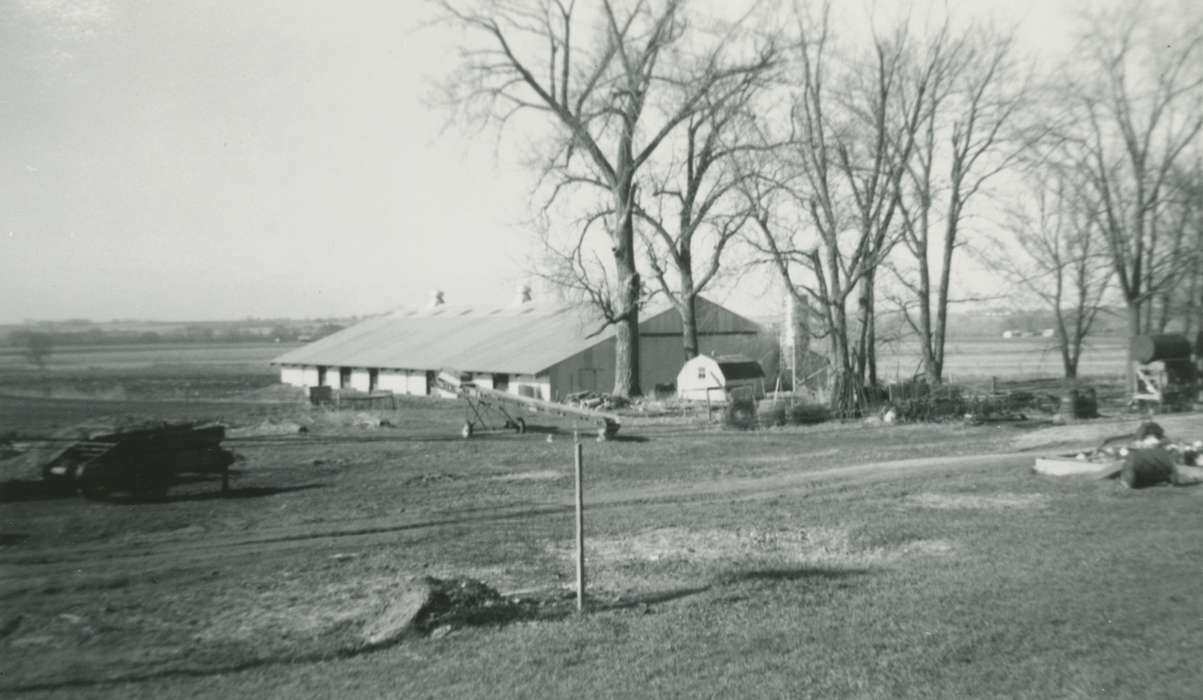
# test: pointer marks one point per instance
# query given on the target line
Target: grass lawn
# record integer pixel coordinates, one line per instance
(722, 564)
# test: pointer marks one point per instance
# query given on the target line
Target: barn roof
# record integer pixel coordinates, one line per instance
(516, 340)
(739, 367)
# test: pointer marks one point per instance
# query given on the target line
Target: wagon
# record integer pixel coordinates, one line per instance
(144, 461)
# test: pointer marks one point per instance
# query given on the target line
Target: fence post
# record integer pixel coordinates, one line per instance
(580, 528)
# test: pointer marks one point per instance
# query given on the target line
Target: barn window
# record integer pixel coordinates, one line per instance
(701, 372)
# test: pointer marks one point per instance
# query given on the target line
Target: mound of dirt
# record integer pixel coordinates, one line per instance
(434, 606)
(398, 619)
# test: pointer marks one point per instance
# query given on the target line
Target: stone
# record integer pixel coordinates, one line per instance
(398, 619)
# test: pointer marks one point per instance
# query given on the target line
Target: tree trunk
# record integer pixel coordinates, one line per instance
(940, 332)
(871, 332)
(864, 343)
(689, 322)
(626, 352)
(626, 336)
(1134, 329)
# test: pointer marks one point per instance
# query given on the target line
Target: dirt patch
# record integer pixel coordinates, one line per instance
(966, 501)
(537, 475)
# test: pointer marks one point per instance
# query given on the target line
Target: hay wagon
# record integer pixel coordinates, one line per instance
(144, 461)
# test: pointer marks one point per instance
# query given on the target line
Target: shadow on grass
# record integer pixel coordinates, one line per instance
(796, 574)
(23, 491)
(234, 493)
(627, 438)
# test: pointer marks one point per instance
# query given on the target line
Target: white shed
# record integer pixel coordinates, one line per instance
(713, 378)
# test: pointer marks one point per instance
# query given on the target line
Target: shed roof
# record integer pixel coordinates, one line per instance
(517, 340)
(739, 367)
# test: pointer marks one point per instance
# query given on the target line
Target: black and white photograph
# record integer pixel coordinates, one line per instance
(601, 349)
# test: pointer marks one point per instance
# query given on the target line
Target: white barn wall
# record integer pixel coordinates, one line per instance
(415, 383)
(294, 375)
(484, 380)
(392, 380)
(401, 381)
(360, 379)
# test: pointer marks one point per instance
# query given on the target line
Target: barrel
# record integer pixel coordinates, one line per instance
(1087, 405)
(1151, 348)
(1069, 405)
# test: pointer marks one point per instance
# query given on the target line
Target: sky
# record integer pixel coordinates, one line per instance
(175, 160)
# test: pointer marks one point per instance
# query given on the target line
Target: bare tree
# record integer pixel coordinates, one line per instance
(612, 85)
(35, 346)
(696, 208)
(826, 215)
(1057, 253)
(1136, 106)
(974, 92)
(1182, 258)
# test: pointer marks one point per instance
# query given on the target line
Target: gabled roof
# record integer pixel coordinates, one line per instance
(516, 340)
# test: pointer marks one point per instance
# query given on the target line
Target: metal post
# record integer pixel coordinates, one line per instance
(580, 531)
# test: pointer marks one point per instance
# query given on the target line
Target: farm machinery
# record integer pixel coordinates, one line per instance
(492, 410)
(144, 461)
(1166, 376)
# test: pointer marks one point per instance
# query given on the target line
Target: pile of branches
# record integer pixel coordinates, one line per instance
(597, 400)
(949, 402)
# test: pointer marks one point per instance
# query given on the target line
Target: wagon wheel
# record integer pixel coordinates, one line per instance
(466, 431)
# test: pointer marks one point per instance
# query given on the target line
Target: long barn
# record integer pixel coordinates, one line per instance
(542, 351)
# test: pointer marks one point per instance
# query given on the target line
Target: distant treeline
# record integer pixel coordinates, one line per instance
(47, 335)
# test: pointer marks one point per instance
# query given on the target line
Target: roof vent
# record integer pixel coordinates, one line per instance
(436, 298)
